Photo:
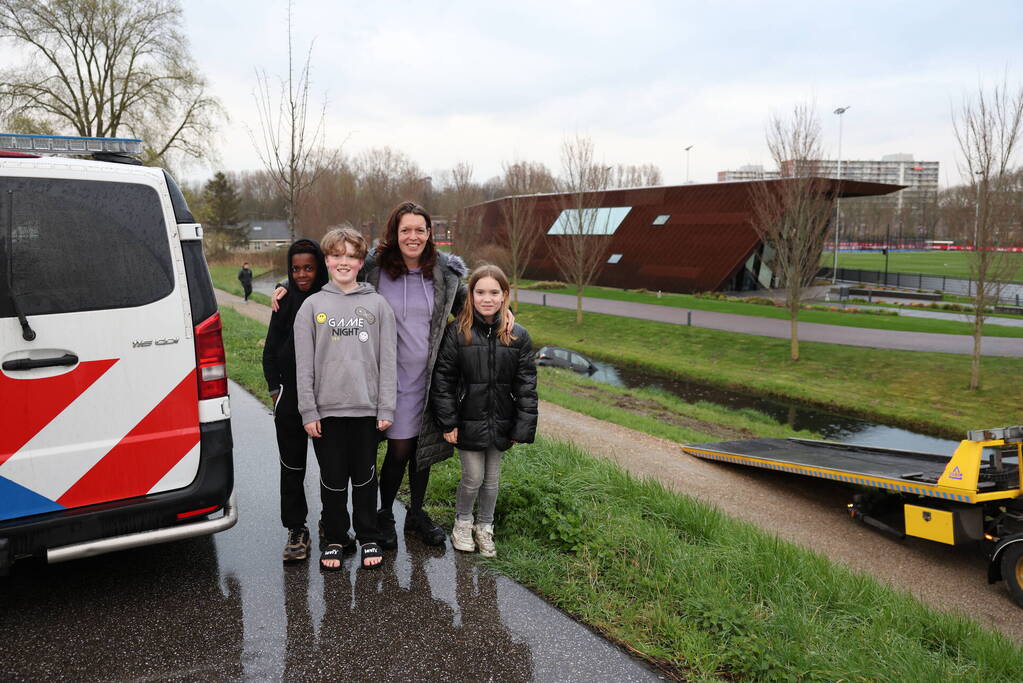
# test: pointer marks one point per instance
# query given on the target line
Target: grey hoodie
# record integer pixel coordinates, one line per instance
(345, 355)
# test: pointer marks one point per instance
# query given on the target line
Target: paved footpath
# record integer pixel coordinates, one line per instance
(770, 327)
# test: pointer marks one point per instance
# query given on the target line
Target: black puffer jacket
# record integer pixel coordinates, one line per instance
(486, 389)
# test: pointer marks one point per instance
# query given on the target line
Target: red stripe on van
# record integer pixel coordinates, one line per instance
(31, 404)
(147, 453)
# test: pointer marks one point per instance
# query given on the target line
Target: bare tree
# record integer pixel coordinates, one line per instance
(292, 152)
(644, 175)
(386, 177)
(521, 180)
(581, 232)
(106, 68)
(987, 129)
(791, 214)
(463, 196)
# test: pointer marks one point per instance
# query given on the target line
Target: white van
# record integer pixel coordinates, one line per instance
(114, 415)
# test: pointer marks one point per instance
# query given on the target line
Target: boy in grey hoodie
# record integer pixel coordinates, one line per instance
(346, 372)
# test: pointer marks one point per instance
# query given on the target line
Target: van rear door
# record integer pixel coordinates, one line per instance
(102, 404)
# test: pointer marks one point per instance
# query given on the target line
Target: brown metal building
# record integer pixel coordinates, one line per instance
(683, 238)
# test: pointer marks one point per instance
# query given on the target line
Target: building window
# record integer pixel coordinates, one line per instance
(661, 220)
(615, 258)
(602, 221)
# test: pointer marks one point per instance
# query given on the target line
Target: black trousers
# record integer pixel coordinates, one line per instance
(247, 288)
(292, 443)
(347, 452)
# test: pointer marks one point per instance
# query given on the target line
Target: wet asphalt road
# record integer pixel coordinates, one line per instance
(224, 607)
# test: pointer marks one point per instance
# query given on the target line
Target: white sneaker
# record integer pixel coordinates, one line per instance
(461, 537)
(484, 535)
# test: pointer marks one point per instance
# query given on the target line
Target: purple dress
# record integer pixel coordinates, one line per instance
(411, 299)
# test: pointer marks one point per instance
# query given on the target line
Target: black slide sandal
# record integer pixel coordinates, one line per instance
(334, 551)
(370, 550)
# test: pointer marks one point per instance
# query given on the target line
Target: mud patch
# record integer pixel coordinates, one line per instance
(652, 409)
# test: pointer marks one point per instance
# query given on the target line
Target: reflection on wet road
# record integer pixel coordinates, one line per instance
(224, 608)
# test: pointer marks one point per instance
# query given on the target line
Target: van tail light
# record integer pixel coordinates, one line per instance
(210, 361)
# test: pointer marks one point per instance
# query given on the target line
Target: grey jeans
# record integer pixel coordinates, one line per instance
(481, 471)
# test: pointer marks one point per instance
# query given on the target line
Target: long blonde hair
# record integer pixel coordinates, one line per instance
(465, 318)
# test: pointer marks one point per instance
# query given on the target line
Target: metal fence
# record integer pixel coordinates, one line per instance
(1011, 294)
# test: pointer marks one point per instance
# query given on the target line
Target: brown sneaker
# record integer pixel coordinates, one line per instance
(297, 547)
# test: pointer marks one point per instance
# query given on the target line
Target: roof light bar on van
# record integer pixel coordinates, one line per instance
(61, 144)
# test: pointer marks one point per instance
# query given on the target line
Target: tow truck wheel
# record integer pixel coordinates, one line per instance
(1012, 571)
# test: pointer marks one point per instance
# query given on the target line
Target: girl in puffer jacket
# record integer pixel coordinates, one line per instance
(483, 397)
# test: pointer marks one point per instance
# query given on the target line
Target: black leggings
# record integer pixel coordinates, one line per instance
(402, 452)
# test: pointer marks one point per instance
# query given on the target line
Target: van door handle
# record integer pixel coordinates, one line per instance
(31, 363)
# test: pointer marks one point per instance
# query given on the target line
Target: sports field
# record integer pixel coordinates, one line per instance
(947, 263)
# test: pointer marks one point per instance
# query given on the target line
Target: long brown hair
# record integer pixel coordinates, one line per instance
(389, 253)
(466, 317)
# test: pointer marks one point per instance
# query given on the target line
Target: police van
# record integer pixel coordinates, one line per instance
(114, 414)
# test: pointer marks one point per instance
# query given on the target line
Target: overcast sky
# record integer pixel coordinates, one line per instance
(486, 82)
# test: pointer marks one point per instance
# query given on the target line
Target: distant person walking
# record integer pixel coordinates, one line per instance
(245, 277)
(484, 400)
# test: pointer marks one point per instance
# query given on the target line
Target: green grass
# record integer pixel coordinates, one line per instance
(226, 278)
(922, 391)
(243, 342)
(699, 594)
(705, 596)
(874, 321)
(948, 263)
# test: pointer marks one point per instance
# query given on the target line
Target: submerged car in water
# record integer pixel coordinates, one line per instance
(557, 357)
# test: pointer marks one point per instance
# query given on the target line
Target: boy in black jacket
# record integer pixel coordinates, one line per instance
(307, 272)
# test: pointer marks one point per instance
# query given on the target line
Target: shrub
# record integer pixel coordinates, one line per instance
(548, 284)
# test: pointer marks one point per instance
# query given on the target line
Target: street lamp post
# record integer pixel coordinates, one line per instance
(838, 202)
(687, 163)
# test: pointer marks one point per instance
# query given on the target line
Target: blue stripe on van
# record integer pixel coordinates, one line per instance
(18, 501)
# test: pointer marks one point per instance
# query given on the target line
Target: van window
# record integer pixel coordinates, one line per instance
(81, 245)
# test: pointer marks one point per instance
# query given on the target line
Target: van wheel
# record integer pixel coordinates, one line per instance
(1012, 571)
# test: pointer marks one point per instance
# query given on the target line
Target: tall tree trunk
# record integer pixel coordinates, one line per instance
(794, 342)
(579, 306)
(978, 332)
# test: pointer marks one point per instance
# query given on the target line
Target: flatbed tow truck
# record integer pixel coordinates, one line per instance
(974, 496)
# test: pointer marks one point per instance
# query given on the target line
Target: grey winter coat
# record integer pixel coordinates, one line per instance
(449, 294)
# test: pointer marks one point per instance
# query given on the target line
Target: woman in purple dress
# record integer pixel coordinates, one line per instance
(423, 286)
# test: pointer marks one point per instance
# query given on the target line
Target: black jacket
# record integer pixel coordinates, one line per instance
(486, 389)
(279, 347)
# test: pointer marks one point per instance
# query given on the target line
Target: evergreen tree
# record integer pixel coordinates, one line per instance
(220, 214)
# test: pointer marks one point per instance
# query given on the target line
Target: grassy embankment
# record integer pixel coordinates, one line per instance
(949, 263)
(925, 391)
(877, 321)
(701, 595)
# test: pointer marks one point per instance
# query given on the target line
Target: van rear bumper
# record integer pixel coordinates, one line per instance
(105, 527)
(175, 533)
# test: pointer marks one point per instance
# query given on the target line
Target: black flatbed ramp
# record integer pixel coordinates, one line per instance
(896, 470)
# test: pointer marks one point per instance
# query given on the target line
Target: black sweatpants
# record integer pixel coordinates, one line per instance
(347, 451)
(292, 443)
